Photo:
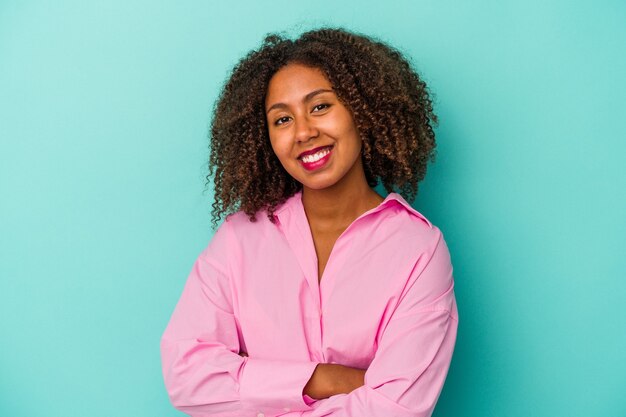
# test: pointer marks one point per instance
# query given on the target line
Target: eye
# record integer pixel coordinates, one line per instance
(321, 106)
(281, 120)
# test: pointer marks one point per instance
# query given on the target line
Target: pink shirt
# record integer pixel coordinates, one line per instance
(385, 302)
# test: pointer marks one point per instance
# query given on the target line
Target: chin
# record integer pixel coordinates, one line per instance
(321, 185)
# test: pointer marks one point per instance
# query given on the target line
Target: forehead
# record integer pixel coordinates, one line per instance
(294, 81)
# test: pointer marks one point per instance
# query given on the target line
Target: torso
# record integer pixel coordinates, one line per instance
(324, 239)
(324, 243)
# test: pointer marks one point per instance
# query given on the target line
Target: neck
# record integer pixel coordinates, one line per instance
(337, 206)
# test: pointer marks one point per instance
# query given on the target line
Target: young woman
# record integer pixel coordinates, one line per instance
(316, 296)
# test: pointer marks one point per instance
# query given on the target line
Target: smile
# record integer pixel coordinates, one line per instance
(316, 156)
(316, 160)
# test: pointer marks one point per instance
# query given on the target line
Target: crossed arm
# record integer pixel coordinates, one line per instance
(330, 379)
(205, 375)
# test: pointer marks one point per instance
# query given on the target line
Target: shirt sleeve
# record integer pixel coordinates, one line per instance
(414, 352)
(202, 369)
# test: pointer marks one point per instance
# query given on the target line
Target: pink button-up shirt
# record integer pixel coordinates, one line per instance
(385, 303)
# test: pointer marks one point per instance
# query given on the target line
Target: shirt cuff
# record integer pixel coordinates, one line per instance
(275, 384)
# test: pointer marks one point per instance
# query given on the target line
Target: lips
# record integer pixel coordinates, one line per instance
(318, 160)
(313, 151)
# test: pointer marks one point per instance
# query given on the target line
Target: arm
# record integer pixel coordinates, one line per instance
(202, 369)
(414, 351)
(332, 379)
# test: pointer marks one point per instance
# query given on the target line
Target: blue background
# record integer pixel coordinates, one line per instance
(104, 112)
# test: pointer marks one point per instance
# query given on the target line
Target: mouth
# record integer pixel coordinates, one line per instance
(317, 160)
(315, 154)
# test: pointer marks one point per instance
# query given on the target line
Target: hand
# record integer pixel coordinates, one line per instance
(330, 379)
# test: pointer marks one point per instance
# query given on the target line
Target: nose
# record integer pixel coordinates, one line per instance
(305, 129)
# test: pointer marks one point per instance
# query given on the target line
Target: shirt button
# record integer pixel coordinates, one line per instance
(260, 415)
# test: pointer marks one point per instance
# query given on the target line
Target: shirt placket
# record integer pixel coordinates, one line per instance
(297, 233)
(296, 228)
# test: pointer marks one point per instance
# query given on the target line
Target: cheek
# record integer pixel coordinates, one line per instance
(347, 125)
(353, 139)
(280, 148)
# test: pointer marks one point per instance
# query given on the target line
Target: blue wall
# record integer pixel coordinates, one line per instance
(104, 108)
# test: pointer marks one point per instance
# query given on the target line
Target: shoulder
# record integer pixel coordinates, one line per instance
(226, 245)
(239, 223)
(410, 223)
(237, 228)
(431, 274)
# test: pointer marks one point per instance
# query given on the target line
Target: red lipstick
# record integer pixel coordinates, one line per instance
(315, 158)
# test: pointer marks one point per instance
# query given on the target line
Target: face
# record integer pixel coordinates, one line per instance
(312, 133)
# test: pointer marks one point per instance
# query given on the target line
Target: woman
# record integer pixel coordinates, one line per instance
(316, 296)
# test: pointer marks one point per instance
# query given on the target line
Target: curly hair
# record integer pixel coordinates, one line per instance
(390, 103)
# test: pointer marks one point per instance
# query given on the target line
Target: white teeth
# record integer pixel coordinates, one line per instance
(317, 156)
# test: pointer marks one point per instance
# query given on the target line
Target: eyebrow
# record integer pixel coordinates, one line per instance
(308, 97)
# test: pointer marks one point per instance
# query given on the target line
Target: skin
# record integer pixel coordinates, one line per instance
(399, 140)
(303, 113)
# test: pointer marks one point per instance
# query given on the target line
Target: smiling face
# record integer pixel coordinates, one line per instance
(312, 133)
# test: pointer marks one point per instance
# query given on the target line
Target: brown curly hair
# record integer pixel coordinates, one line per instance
(390, 103)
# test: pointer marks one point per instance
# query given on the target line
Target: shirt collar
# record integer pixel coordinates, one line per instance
(295, 201)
